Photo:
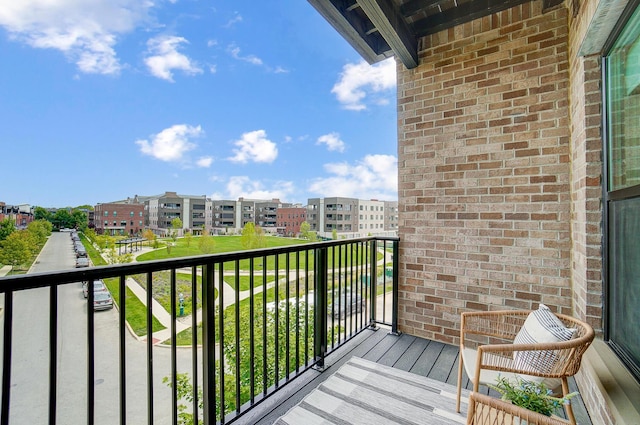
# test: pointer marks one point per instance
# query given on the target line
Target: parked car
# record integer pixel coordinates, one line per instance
(81, 252)
(102, 301)
(98, 287)
(344, 304)
(82, 262)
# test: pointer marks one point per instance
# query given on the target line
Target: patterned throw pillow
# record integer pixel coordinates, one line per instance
(541, 326)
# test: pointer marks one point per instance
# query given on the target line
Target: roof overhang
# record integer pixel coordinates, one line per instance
(379, 29)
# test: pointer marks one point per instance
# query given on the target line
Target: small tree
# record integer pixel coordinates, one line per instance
(252, 237)
(17, 249)
(7, 227)
(176, 224)
(149, 236)
(334, 234)
(305, 229)
(187, 238)
(206, 243)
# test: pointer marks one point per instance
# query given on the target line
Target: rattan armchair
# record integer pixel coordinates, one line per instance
(487, 351)
(485, 410)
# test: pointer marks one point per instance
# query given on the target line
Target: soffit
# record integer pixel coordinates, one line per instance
(379, 29)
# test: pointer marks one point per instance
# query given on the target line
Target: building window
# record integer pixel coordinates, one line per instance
(106, 213)
(622, 153)
(115, 213)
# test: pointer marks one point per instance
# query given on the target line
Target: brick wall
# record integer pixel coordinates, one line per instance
(484, 175)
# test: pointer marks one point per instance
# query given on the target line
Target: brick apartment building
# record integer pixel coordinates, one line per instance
(20, 214)
(119, 218)
(519, 168)
(289, 219)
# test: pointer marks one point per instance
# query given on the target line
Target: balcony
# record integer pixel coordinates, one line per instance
(296, 306)
(301, 312)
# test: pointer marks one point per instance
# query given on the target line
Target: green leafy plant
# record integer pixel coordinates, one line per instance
(531, 395)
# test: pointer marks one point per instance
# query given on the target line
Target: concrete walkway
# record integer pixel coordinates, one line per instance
(185, 322)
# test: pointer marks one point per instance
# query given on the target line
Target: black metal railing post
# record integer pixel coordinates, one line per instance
(394, 298)
(320, 311)
(6, 356)
(208, 344)
(373, 271)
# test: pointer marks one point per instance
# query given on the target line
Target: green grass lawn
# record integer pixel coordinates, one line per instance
(136, 312)
(233, 243)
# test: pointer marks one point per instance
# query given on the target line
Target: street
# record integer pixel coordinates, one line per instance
(30, 355)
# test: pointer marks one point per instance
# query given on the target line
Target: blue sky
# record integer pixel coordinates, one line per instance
(105, 99)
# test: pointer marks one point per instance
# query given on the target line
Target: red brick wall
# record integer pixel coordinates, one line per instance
(484, 175)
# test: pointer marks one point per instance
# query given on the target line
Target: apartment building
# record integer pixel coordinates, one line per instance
(161, 210)
(350, 217)
(289, 219)
(20, 214)
(228, 216)
(119, 218)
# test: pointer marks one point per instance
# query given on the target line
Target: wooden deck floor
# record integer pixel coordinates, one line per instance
(424, 357)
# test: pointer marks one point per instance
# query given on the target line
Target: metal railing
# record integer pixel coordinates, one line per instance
(258, 319)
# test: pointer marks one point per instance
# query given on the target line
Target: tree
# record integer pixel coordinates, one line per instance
(206, 243)
(79, 219)
(62, 219)
(40, 213)
(252, 237)
(149, 235)
(187, 238)
(40, 229)
(17, 249)
(305, 232)
(176, 224)
(7, 227)
(334, 234)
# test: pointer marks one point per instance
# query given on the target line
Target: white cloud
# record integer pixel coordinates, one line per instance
(243, 186)
(171, 143)
(254, 147)
(204, 162)
(252, 59)
(333, 142)
(357, 81)
(164, 57)
(85, 31)
(237, 18)
(375, 177)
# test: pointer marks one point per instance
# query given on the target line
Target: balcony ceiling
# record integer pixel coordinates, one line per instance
(379, 29)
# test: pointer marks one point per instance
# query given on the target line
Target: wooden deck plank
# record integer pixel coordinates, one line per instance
(409, 358)
(427, 359)
(395, 352)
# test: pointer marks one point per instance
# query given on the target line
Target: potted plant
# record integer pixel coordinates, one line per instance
(531, 395)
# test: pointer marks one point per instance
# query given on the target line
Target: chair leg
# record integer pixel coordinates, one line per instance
(459, 380)
(567, 407)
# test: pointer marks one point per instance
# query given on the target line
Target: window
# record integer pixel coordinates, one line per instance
(622, 194)
(115, 213)
(131, 214)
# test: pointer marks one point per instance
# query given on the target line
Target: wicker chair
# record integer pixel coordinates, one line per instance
(493, 334)
(485, 410)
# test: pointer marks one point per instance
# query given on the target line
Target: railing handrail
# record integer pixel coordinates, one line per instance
(47, 279)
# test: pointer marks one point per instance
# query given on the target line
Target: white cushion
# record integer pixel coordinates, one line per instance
(541, 326)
